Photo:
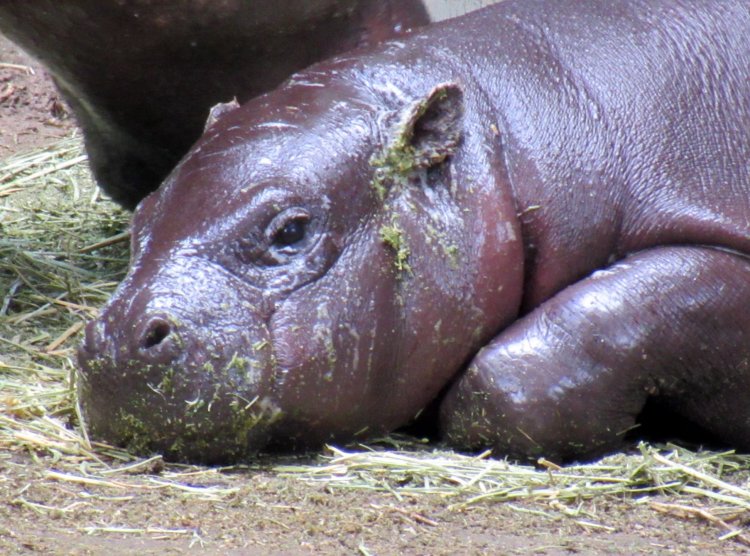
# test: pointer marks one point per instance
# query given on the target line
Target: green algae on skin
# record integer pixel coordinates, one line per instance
(237, 363)
(194, 406)
(405, 155)
(393, 166)
(260, 344)
(135, 434)
(450, 249)
(208, 367)
(397, 161)
(246, 417)
(393, 236)
(166, 386)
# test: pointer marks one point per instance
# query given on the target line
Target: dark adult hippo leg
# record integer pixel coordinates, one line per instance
(142, 75)
(568, 380)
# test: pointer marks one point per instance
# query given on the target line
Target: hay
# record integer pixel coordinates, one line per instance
(62, 254)
(49, 286)
(471, 480)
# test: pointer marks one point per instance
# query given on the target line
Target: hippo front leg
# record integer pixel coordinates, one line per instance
(568, 380)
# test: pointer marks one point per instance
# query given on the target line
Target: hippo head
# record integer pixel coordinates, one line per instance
(318, 267)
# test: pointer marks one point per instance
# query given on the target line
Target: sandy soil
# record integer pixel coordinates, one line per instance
(32, 114)
(271, 514)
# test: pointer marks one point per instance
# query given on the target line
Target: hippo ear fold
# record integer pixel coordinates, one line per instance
(218, 110)
(431, 127)
(426, 133)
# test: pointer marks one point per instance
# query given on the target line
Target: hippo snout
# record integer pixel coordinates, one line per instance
(190, 384)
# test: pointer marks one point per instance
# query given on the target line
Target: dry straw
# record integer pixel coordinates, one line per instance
(62, 254)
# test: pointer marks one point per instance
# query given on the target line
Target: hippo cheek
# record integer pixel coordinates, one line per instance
(336, 343)
(191, 386)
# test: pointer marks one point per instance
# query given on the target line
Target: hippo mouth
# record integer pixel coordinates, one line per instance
(209, 423)
(200, 403)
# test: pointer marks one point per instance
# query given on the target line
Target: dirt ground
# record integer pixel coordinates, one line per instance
(32, 115)
(272, 515)
(261, 512)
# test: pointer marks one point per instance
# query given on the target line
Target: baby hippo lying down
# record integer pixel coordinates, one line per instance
(536, 216)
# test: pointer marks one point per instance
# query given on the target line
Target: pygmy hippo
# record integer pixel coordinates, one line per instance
(141, 75)
(536, 215)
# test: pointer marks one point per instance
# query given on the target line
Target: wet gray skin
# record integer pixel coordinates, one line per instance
(536, 215)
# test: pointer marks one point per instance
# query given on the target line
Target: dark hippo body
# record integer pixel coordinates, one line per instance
(141, 75)
(541, 210)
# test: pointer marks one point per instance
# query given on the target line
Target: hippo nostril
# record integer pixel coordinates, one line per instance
(156, 332)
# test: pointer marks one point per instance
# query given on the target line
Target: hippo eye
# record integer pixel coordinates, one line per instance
(287, 233)
(292, 232)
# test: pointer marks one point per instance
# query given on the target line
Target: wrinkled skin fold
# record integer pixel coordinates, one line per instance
(535, 216)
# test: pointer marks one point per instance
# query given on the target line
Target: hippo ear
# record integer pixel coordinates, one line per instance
(430, 128)
(219, 110)
(426, 133)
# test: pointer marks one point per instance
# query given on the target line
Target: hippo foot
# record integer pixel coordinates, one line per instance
(570, 379)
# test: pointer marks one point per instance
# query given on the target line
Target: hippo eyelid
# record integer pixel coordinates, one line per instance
(273, 251)
(291, 233)
(282, 225)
